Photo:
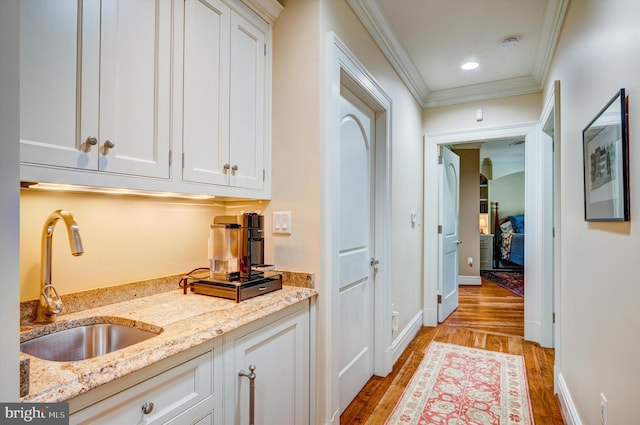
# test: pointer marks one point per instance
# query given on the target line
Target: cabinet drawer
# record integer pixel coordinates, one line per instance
(187, 387)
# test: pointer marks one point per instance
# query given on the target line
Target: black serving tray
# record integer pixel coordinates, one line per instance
(241, 289)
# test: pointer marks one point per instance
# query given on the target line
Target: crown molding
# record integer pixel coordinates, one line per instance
(269, 10)
(484, 91)
(375, 21)
(377, 24)
(554, 13)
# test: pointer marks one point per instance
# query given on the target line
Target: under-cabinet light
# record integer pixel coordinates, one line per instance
(58, 187)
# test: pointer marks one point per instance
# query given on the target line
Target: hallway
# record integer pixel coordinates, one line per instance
(488, 317)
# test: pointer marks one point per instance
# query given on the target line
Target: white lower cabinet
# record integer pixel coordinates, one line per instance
(204, 385)
(189, 393)
(279, 351)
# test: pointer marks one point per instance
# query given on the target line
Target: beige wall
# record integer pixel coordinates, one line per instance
(125, 239)
(599, 319)
(497, 112)
(469, 210)
(406, 155)
(508, 191)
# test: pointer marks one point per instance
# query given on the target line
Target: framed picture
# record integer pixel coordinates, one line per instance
(606, 163)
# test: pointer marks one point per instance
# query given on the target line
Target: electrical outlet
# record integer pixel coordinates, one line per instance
(603, 409)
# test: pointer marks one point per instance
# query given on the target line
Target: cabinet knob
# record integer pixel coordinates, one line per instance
(91, 141)
(147, 407)
(108, 144)
(234, 169)
(225, 168)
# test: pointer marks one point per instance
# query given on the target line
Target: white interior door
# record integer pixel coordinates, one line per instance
(355, 284)
(449, 238)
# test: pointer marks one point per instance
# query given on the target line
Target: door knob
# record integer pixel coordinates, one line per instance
(373, 262)
(458, 242)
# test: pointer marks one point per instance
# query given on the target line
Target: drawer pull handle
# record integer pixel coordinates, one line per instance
(147, 407)
(262, 288)
(252, 391)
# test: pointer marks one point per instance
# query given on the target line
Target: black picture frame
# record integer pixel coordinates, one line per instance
(605, 142)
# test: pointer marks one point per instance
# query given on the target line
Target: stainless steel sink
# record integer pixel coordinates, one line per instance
(84, 342)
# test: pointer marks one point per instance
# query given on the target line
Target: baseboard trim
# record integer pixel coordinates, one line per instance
(406, 336)
(566, 402)
(469, 280)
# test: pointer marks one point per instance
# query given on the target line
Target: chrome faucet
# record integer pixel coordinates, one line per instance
(50, 302)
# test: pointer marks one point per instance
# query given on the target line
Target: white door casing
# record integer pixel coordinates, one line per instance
(343, 68)
(449, 242)
(537, 324)
(355, 286)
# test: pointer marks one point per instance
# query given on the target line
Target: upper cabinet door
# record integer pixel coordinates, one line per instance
(54, 55)
(247, 103)
(206, 92)
(135, 87)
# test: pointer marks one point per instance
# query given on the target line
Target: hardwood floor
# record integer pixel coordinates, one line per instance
(488, 317)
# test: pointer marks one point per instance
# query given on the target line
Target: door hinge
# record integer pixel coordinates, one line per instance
(554, 318)
(265, 49)
(440, 159)
(439, 229)
(170, 156)
(439, 299)
(183, 160)
(553, 232)
(264, 174)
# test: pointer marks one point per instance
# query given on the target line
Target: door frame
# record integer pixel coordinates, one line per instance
(538, 324)
(343, 68)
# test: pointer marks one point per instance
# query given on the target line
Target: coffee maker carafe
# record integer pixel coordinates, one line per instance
(237, 244)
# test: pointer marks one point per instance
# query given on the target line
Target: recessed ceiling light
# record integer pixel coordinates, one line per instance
(509, 42)
(469, 66)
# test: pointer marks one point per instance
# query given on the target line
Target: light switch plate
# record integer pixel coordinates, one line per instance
(282, 222)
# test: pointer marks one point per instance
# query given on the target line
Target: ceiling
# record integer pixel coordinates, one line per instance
(426, 41)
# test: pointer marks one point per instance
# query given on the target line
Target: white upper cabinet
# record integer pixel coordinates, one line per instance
(225, 82)
(95, 86)
(153, 95)
(247, 103)
(206, 91)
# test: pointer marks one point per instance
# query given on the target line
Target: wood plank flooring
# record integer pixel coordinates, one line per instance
(488, 317)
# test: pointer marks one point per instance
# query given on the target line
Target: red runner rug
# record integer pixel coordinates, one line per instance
(457, 385)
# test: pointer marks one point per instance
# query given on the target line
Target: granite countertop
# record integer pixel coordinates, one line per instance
(186, 321)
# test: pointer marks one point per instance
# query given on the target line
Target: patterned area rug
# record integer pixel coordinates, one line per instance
(511, 280)
(457, 385)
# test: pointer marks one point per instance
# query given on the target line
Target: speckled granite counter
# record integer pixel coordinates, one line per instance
(186, 321)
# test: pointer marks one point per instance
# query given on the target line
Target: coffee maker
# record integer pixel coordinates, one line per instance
(236, 260)
(237, 246)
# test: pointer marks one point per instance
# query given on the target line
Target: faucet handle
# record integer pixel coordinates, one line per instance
(54, 304)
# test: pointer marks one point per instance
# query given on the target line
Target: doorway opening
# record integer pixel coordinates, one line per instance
(537, 325)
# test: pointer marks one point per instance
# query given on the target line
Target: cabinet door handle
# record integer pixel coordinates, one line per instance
(147, 407)
(225, 168)
(234, 169)
(91, 141)
(252, 390)
(108, 144)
